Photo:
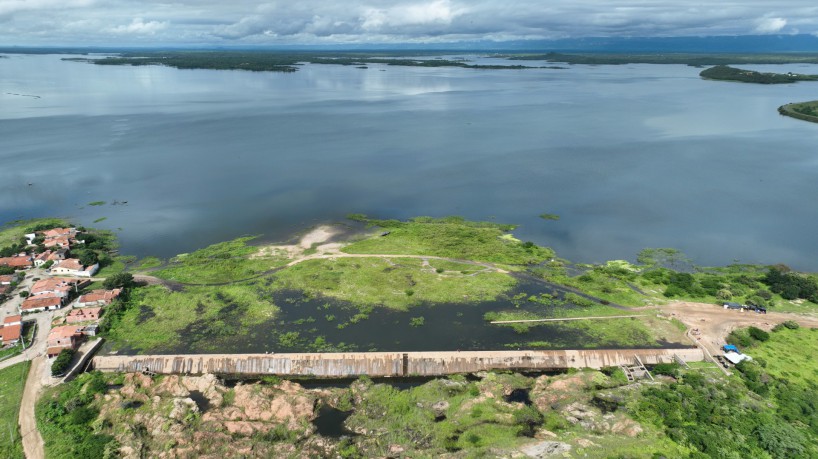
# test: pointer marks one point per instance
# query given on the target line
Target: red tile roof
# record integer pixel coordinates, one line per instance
(57, 232)
(54, 284)
(16, 262)
(72, 263)
(7, 278)
(11, 333)
(41, 301)
(13, 319)
(104, 296)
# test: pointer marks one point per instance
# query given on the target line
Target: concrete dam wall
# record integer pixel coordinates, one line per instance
(352, 364)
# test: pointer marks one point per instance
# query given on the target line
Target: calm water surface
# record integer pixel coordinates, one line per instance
(629, 156)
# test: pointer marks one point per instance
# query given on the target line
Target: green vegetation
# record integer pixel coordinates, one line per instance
(766, 410)
(274, 61)
(219, 263)
(12, 382)
(97, 203)
(62, 363)
(726, 73)
(791, 285)
(614, 282)
(787, 355)
(101, 219)
(777, 417)
(148, 263)
(607, 333)
(199, 318)
(807, 111)
(450, 237)
(65, 418)
(387, 282)
(11, 234)
(549, 216)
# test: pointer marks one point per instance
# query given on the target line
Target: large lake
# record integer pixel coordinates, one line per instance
(628, 156)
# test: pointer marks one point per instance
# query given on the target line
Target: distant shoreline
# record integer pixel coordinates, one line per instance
(805, 111)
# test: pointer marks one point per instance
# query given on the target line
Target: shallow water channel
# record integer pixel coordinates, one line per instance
(318, 324)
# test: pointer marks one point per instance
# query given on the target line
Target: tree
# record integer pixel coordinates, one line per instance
(120, 280)
(88, 258)
(62, 362)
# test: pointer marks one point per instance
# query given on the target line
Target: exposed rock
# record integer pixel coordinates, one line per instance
(440, 407)
(546, 449)
(181, 408)
(585, 443)
(553, 392)
(542, 434)
(627, 427)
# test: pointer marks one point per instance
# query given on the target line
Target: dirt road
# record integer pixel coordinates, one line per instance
(32, 440)
(715, 323)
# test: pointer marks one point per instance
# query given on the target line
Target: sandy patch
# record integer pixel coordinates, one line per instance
(317, 238)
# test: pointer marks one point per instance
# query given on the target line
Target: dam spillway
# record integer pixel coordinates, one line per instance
(386, 364)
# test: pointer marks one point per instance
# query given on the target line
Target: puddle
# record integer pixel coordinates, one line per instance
(330, 422)
(201, 401)
(518, 396)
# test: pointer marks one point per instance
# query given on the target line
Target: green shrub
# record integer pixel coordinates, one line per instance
(758, 334)
(62, 362)
(667, 369)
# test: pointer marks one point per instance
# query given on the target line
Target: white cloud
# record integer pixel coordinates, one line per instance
(770, 25)
(382, 21)
(11, 7)
(140, 27)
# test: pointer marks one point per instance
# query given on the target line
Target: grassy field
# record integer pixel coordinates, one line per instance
(199, 317)
(219, 263)
(148, 263)
(397, 283)
(12, 381)
(789, 354)
(12, 233)
(637, 332)
(451, 237)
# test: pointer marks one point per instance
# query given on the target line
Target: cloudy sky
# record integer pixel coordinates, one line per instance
(253, 22)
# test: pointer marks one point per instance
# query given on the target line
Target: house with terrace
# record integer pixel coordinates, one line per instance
(73, 267)
(64, 337)
(97, 298)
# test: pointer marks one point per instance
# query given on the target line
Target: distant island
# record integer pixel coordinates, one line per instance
(807, 111)
(727, 73)
(693, 59)
(278, 61)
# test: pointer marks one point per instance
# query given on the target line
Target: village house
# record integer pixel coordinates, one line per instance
(83, 315)
(61, 242)
(6, 281)
(73, 267)
(49, 255)
(64, 337)
(11, 330)
(59, 232)
(97, 298)
(19, 261)
(45, 302)
(58, 286)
